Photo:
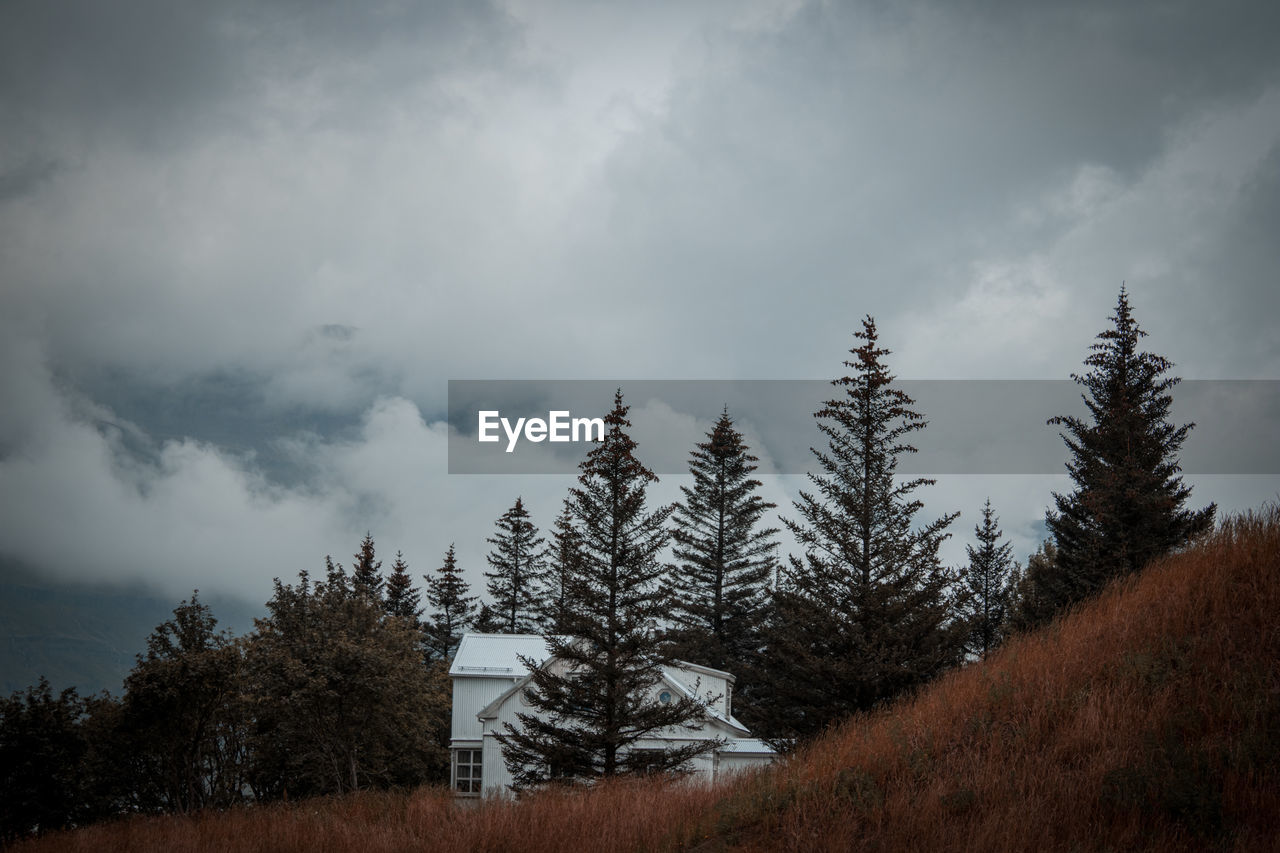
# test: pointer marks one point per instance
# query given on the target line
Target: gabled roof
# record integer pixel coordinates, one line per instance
(497, 655)
(747, 745)
(668, 677)
(706, 670)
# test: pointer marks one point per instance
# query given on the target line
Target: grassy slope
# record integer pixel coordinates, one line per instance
(1150, 719)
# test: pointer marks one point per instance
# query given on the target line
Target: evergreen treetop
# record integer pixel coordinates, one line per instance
(452, 608)
(366, 568)
(562, 556)
(867, 611)
(593, 700)
(989, 580)
(1128, 504)
(518, 564)
(401, 597)
(725, 562)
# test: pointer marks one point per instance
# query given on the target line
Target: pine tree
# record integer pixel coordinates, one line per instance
(989, 578)
(487, 620)
(452, 609)
(518, 564)
(1035, 589)
(867, 612)
(366, 570)
(401, 597)
(562, 564)
(1128, 504)
(593, 700)
(725, 561)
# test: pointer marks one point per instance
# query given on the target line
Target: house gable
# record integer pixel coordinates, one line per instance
(489, 680)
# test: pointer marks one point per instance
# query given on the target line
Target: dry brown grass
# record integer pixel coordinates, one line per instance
(1150, 719)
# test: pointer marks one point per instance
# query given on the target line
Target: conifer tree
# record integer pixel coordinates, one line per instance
(725, 560)
(487, 620)
(989, 579)
(518, 564)
(866, 613)
(452, 609)
(401, 597)
(366, 570)
(1128, 503)
(562, 557)
(594, 698)
(1035, 589)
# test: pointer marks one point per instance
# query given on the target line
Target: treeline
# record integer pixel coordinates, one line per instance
(336, 689)
(343, 685)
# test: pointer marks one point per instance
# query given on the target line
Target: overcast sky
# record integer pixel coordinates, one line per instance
(244, 245)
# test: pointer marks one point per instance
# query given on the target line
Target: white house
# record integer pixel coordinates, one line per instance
(488, 677)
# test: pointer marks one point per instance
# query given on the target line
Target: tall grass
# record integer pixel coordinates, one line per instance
(1148, 719)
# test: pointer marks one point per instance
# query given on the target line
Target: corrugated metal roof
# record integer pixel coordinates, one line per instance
(497, 654)
(746, 744)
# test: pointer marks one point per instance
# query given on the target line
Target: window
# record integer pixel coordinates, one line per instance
(466, 771)
(644, 760)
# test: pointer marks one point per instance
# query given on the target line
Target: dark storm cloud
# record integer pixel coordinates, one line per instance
(26, 178)
(162, 73)
(859, 158)
(245, 244)
(1248, 259)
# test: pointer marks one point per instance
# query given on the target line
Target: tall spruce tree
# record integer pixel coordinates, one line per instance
(1035, 590)
(725, 560)
(518, 564)
(1128, 504)
(562, 556)
(366, 570)
(989, 579)
(867, 612)
(401, 598)
(452, 610)
(594, 698)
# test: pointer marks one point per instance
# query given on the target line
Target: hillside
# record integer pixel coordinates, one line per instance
(1149, 719)
(83, 635)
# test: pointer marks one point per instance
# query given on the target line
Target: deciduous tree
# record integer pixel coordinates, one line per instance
(341, 695)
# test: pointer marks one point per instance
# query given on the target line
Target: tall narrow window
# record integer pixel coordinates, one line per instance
(466, 771)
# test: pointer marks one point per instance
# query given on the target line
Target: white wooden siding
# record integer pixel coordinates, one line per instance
(470, 696)
(489, 665)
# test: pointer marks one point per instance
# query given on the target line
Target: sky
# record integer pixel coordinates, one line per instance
(245, 245)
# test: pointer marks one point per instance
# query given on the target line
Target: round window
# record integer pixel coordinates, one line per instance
(664, 697)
